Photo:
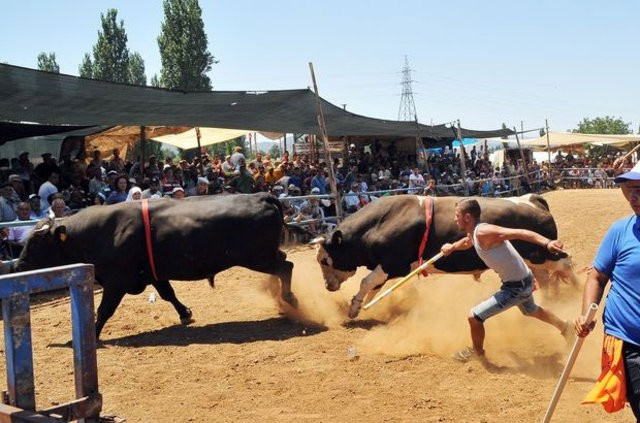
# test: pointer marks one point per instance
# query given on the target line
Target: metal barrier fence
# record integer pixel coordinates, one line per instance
(15, 291)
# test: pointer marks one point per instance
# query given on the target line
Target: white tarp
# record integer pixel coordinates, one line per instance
(189, 139)
(559, 140)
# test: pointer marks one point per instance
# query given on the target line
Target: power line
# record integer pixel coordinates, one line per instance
(407, 111)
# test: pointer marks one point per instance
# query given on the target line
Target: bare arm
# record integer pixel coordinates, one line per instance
(593, 291)
(461, 244)
(491, 235)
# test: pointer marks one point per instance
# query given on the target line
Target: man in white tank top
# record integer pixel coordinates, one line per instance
(493, 247)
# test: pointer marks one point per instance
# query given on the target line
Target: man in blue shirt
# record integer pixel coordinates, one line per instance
(618, 261)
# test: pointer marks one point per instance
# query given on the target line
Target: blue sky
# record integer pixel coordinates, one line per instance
(481, 62)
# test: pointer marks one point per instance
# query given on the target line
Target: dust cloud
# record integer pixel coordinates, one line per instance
(429, 316)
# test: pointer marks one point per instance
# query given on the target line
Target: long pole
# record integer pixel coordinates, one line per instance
(325, 141)
(142, 144)
(463, 165)
(403, 280)
(546, 130)
(568, 366)
(524, 162)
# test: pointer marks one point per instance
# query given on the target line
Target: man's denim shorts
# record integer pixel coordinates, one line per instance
(510, 294)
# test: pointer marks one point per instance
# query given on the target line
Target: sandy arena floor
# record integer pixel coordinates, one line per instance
(244, 361)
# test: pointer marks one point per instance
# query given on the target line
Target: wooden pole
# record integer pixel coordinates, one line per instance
(325, 141)
(463, 165)
(524, 162)
(403, 280)
(546, 130)
(568, 366)
(143, 137)
(420, 145)
(201, 168)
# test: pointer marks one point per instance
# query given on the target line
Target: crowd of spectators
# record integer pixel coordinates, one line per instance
(60, 187)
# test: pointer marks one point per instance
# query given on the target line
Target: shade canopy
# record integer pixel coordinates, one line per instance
(29, 97)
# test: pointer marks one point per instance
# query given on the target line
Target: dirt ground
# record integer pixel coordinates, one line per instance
(246, 358)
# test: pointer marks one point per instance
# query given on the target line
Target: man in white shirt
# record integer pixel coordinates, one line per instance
(416, 182)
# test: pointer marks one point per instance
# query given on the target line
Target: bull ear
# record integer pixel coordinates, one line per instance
(61, 233)
(336, 237)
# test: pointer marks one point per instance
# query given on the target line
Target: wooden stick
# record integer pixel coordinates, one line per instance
(631, 152)
(403, 280)
(567, 367)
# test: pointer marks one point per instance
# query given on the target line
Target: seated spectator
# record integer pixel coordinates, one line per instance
(19, 234)
(178, 193)
(121, 191)
(135, 194)
(58, 208)
(36, 210)
(202, 187)
(352, 200)
(153, 191)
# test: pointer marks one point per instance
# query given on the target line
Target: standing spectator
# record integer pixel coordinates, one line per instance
(18, 187)
(25, 171)
(96, 161)
(97, 182)
(242, 182)
(48, 188)
(116, 163)
(618, 261)
(236, 157)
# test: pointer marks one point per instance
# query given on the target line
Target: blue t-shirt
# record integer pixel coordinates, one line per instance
(619, 258)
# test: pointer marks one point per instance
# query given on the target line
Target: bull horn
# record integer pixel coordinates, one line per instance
(318, 240)
(44, 228)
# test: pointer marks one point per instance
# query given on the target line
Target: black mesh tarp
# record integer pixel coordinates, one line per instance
(43, 98)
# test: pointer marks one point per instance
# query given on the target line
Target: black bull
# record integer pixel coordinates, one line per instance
(385, 236)
(191, 240)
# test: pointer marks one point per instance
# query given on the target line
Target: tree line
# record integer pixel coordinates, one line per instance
(182, 42)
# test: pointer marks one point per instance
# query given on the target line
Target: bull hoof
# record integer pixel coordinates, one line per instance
(290, 299)
(187, 319)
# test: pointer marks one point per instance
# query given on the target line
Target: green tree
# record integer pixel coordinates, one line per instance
(136, 70)
(183, 47)
(47, 62)
(111, 58)
(274, 151)
(155, 81)
(606, 125)
(86, 68)
(110, 53)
